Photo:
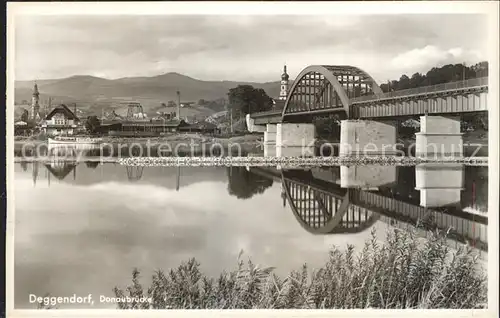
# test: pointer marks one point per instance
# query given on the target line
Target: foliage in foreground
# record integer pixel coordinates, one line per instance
(397, 274)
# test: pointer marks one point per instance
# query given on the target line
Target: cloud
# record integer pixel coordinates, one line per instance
(238, 47)
(431, 56)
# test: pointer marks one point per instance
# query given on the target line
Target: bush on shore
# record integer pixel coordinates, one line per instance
(400, 273)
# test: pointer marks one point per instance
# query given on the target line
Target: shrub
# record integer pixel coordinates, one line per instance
(400, 273)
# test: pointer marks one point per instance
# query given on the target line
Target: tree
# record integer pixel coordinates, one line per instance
(244, 184)
(415, 80)
(404, 82)
(92, 124)
(245, 99)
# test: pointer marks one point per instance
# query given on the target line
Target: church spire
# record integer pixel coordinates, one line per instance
(284, 84)
(284, 76)
(35, 90)
(35, 103)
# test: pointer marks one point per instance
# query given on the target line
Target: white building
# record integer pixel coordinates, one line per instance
(60, 121)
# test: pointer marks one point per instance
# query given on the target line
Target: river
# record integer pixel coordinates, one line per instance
(81, 228)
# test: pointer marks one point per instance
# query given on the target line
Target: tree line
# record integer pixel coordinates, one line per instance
(437, 75)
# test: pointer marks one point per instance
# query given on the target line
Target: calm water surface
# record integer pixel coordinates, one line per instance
(82, 228)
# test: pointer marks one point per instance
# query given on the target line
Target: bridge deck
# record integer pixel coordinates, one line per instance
(456, 97)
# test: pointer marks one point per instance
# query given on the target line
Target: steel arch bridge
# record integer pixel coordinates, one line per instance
(349, 92)
(323, 209)
(328, 88)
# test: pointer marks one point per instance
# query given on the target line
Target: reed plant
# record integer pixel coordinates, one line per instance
(401, 272)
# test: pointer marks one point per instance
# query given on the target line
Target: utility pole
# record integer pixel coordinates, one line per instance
(231, 120)
(178, 105)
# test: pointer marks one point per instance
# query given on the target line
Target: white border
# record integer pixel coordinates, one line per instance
(489, 8)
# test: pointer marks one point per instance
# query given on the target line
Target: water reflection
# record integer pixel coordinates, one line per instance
(351, 199)
(367, 177)
(329, 205)
(156, 217)
(439, 185)
(244, 184)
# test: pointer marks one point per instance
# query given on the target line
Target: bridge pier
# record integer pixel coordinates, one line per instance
(295, 140)
(439, 184)
(367, 137)
(252, 127)
(439, 136)
(270, 140)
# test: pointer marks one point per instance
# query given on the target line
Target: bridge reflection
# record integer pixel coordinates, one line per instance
(323, 206)
(324, 202)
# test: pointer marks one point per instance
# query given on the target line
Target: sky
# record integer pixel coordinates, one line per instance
(243, 48)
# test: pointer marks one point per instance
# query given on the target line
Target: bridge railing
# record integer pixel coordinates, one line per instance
(473, 82)
(264, 113)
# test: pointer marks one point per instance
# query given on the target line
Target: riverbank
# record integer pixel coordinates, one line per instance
(179, 144)
(193, 144)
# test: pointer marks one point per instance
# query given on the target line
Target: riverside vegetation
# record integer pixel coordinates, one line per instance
(402, 272)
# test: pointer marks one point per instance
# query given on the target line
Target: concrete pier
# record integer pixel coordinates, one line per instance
(439, 184)
(439, 136)
(295, 140)
(367, 138)
(270, 140)
(252, 127)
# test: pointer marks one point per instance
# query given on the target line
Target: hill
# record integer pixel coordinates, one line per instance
(94, 94)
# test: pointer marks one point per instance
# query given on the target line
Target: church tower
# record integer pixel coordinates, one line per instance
(284, 84)
(35, 103)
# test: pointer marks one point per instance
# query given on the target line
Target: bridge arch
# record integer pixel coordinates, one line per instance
(320, 211)
(328, 88)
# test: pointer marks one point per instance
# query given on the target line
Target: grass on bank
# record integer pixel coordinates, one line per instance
(399, 273)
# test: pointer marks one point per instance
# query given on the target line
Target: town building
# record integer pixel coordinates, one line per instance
(60, 121)
(201, 127)
(140, 128)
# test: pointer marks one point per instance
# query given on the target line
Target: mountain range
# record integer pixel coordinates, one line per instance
(93, 94)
